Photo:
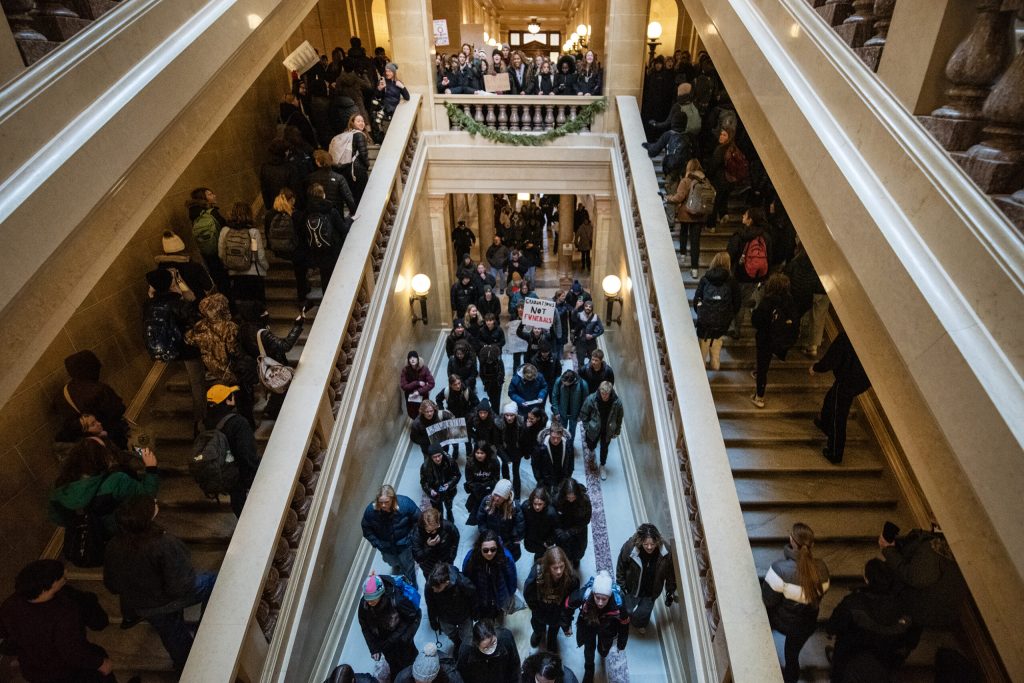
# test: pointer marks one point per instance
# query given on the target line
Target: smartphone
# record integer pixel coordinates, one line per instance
(889, 532)
(137, 451)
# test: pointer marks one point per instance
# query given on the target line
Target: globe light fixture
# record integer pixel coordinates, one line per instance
(420, 285)
(612, 287)
(533, 27)
(653, 30)
(582, 30)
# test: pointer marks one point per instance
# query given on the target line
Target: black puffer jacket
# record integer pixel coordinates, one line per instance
(276, 174)
(502, 666)
(335, 187)
(428, 556)
(804, 282)
(391, 621)
(149, 573)
(460, 403)
(454, 604)
(713, 315)
(539, 527)
(433, 477)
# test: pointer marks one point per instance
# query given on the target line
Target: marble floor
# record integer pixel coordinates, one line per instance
(612, 524)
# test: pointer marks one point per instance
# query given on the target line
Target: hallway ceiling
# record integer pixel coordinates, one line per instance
(514, 12)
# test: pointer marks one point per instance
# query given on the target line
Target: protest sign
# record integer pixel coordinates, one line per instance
(448, 432)
(302, 59)
(497, 82)
(538, 313)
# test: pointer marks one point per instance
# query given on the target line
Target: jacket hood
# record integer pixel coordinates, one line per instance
(717, 276)
(634, 554)
(699, 174)
(215, 307)
(83, 365)
(319, 206)
(77, 494)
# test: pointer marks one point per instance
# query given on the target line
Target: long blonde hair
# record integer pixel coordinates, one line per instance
(806, 568)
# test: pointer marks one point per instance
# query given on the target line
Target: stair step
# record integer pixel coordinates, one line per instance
(781, 379)
(210, 528)
(844, 559)
(137, 649)
(803, 405)
(773, 460)
(835, 493)
(179, 492)
(780, 430)
(203, 559)
(773, 526)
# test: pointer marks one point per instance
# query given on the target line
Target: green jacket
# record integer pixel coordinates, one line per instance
(110, 490)
(590, 416)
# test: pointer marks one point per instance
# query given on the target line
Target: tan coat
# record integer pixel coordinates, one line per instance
(680, 195)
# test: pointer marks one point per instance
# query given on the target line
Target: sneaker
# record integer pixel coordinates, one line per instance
(757, 400)
(811, 352)
(693, 273)
(753, 373)
(830, 456)
(604, 473)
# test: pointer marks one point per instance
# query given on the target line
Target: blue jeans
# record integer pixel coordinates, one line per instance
(173, 631)
(402, 563)
(499, 278)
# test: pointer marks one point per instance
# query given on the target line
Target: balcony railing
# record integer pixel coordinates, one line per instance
(517, 113)
(254, 579)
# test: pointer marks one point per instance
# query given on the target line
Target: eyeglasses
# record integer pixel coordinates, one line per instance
(488, 551)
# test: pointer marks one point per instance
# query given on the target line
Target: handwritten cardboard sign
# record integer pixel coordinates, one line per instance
(538, 313)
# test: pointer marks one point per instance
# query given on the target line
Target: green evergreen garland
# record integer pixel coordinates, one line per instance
(584, 118)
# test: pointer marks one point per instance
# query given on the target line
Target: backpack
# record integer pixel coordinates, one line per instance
(205, 232)
(737, 168)
(755, 257)
(238, 252)
(213, 466)
(783, 330)
(343, 152)
(273, 375)
(163, 336)
(84, 535)
(715, 310)
(281, 235)
(407, 589)
(318, 230)
(674, 153)
(701, 199)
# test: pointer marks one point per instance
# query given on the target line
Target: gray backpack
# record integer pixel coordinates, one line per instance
(213, 466)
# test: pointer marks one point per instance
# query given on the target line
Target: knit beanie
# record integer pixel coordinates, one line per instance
(411, 355)
(172, 243)
(602, 583)
(427, 665)
(373, 588)
(392, 67)
(510, 409)
(503, 488)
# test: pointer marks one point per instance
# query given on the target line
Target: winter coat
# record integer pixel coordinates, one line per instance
(527, 394)
(453, 605)
(481, 476)
(465, 368)
(428, 556)
(170, 306)
(545, 469)
(549, 368)
(291, 115)
(629, 571)
(259, 265)
(486, 429)
(410, 380)
(594, 377)
(540, 84)
(584, 237)
(932, 586)
(761, 319)
(276, 347)
(554, 612)
(460, 403)
(391, 96)
(589, 83)
(194, 274)
(608, 622)
(738, 244)
(276, 175)
(392, 621)
(584, 327)
(492, 368)
(682, 193)
(565, 82)
(534, 338)
(502, 666)
(875, 622)
(841, 359)
(152, 575)
(590, 417)
(493, 306)
(487, 336)
(434, 477)
(391, 532)
(497, 255)
(539, 527)
(715, 316)
(462, 295)
(804, 282)
(511, 436)
(241, 440)
(88, 393)
(453, 338)
(336, 189)
(567, 401)
(573, 526)
(104, 492)
(335, 233)
(789, 610)
(495, 585)
(418, 428)
(352, 85)
(510, 530)
(49, 637)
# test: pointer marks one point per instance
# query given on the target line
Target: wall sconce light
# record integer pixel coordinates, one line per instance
(612, 286)
(420, 288)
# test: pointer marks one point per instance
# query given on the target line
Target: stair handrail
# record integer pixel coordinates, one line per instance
(743, 621)
(229, 631)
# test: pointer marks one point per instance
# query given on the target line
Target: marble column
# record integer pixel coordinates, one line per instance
(412, 40)
(566, 233)
(922, 35)
(625, 50)
(485, 221)
(601, 217)
(444, 266)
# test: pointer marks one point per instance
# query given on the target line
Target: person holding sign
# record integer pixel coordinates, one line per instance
(429, 416)
(416, 382)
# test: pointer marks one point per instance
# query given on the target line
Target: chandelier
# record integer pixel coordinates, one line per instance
(533, 26)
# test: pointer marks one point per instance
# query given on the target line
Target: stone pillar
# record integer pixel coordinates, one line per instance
(444, 269)
(412, 40)
(600, 258)
(485, 221)
(625, 50)
(566, 233)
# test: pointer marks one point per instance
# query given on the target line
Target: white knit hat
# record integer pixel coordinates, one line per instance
(602, 583)
(427, 665)
(510, 409)
(503, 488)
(172, 243)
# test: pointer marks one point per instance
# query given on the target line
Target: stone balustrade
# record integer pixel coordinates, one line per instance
(39, 27)
(861, 24)
(517, 113)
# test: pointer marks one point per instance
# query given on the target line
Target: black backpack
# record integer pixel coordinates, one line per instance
(714, 314)
(84, 535)
(784, 328)
(163, 336)
(318, 233)
(213, 466)
(281, 235)
(675, 153)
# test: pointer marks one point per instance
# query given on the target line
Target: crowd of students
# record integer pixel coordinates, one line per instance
(766, 274)
(463, 73)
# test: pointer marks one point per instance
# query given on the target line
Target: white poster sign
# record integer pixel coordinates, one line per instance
(302, 59)
(538, 313)
(448, 432)
(441, 32)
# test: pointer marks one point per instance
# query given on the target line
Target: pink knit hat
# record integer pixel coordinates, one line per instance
(373, 588)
